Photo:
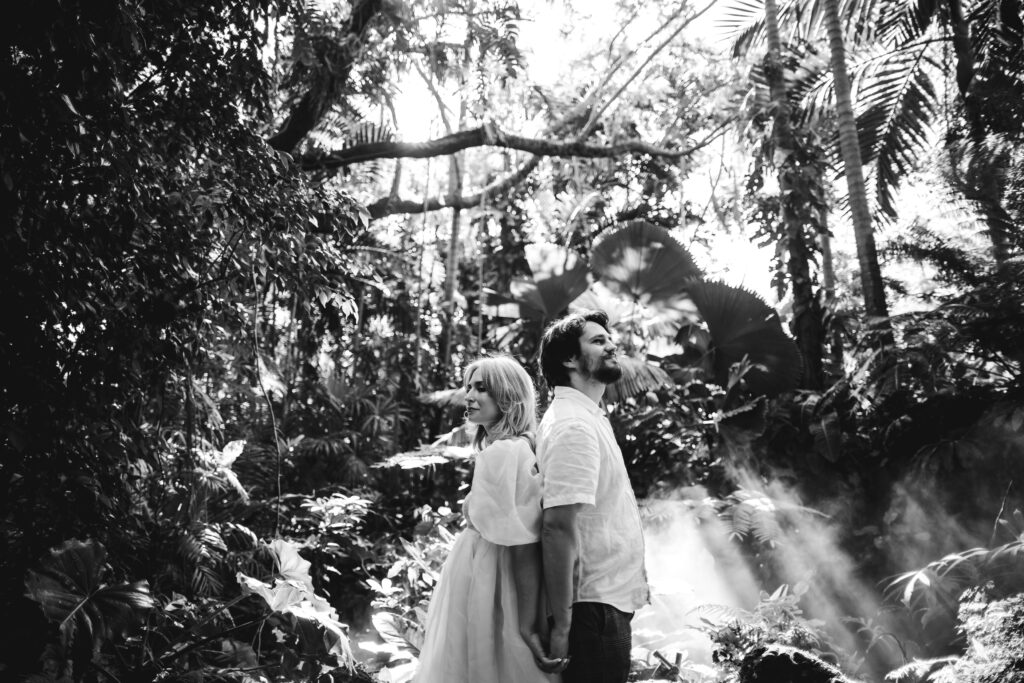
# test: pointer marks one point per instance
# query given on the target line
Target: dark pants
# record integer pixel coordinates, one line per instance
(599, 643)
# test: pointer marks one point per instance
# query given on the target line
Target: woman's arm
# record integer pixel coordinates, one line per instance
(526, 571)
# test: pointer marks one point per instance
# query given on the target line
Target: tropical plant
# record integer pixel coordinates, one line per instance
(992, 629)
(69, 588)
(777, 619)
(901, 56)
(403, 591)
(933, 593)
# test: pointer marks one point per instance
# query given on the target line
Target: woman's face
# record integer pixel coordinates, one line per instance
(480, 407)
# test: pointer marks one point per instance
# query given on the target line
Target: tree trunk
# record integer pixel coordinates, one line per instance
(807, 324)
(828, 275)
(962, 47)
(863, 231)
(444, 356)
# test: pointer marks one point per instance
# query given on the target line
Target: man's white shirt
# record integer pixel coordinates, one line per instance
(581, 463)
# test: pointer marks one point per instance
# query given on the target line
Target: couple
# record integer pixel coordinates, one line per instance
(562, 524)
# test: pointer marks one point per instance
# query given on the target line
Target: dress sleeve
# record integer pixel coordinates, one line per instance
(504, 500)
(572, 465)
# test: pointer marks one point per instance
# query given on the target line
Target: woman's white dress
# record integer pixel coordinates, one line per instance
(472, 630)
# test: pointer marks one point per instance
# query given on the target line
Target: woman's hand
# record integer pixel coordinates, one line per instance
(545, 663)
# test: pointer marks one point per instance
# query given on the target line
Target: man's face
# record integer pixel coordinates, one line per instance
(597, 359)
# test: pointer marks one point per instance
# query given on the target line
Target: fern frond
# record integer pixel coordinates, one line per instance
(751, 513)
(715, 614)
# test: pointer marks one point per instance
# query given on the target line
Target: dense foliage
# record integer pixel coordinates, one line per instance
(229, 414)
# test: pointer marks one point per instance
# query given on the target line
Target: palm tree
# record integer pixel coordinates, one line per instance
(897, 50)
(863, 231)
(752, 28)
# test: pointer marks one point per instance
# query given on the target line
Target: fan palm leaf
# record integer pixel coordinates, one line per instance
(559, 276)
(742, 326)
(626, 315)
(644, 263)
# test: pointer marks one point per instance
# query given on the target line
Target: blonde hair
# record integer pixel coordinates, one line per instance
(511, 389)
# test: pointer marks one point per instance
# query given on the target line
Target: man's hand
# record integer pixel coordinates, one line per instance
(544, 662)
(559, 645)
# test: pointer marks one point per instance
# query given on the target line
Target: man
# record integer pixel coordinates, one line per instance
(591, 539)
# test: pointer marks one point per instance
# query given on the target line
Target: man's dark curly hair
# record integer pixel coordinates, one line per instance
(561, 342)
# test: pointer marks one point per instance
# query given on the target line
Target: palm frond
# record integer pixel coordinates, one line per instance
(812, 85)
(638, 377)
(202, 550)
(742, 22)
(899, 104)
(902, 23)
(997, 34)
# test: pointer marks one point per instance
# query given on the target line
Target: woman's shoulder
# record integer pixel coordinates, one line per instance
(516, 445)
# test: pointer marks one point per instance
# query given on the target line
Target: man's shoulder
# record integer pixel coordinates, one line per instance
(561, 413)
(564, 428)
(562, 406)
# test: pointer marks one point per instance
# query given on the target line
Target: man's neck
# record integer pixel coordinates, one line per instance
(593, 389)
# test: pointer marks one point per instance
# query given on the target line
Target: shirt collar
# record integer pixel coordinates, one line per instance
(578, 397)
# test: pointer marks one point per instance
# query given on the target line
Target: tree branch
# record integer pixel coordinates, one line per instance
(388, 205)
(392, 205)
(312, 106)
(490, 135)
(482, 137)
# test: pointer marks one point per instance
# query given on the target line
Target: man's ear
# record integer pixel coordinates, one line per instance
(571, 363)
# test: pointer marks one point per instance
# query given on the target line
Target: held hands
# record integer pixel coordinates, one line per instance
(555, 659)
(548, 663)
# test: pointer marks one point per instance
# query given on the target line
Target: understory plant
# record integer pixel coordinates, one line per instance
(993, 632)
(260, 627)
(777, 619)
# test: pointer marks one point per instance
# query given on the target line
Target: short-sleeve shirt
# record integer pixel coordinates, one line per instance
(581, 463)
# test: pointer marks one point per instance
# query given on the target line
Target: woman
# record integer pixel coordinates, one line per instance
(482, 622)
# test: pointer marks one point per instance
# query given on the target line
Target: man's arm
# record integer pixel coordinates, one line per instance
(558, 543)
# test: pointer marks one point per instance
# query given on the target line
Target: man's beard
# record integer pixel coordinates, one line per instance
(603, 372)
